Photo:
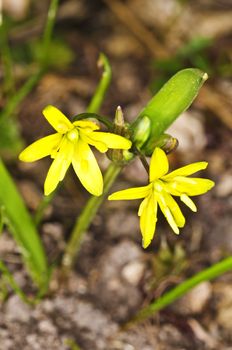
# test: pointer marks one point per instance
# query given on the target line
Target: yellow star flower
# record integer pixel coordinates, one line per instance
(160, 190)
(70, 144)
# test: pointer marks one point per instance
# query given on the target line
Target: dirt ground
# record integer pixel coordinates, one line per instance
(114, 276)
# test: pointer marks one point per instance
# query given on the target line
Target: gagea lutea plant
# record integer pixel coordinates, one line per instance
(72, 144)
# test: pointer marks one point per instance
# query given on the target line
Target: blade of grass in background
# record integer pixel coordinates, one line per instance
(10, 135)
(23, 230)
(48, 31)
(9, 279)
(175, 293)
(99, 95)
(8, 77)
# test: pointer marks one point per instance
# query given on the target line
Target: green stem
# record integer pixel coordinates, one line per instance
(20, 95)
(102, 87)
(84, 220)
(47, 36)
(6, 59)
(206, 275)
(33, 80)
(41, 208)
(91, 208)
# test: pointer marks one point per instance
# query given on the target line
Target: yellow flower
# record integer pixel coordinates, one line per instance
(160, 190)
(70, 144)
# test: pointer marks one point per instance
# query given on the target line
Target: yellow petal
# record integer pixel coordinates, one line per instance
(59, 166)
(192, 186)
(171, 188)
(111, 140)
(57, 119)
(87, 169)
(186, 170)
(148, 219)
(158, 165)
(101, 146)
(174, 209)
(188, 201)
(143, 205)
(167, 213)
(87, 125)
(41, 148)
(131, 193)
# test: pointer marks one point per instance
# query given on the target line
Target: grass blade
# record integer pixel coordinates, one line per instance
(23, 230)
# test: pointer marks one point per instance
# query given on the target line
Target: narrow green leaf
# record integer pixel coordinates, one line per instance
(171, 100)
(9, 278)
(22, 228)
(3, 218)
(181, 289)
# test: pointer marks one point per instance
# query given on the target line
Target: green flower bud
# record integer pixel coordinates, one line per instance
(142, 131)
(165, 141)
(119, 156)
(171, 100)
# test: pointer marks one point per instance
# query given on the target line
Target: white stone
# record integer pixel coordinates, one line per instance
(17, 310)
(133, 272)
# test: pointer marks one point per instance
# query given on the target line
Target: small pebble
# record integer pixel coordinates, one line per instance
(194, 301)
(46, 326)
(17, 310)
(224, 186)
(133, 272)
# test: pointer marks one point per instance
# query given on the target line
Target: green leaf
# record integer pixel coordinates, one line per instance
(23, 230)
(171, 100)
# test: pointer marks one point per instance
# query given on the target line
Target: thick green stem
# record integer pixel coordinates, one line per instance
(84, 220)
(206, 275)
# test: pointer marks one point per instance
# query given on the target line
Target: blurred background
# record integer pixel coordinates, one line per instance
(146, 41)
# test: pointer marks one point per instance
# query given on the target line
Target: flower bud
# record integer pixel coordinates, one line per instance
(162, 110)
(142, 131)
